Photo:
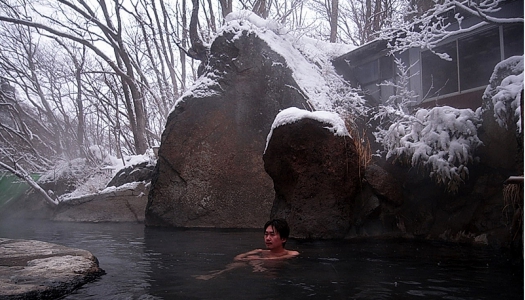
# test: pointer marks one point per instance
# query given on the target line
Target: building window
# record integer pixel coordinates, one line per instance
(512, 44)
(368, 72)
(473, 60)
(386, 66)
(439, 76)
(478, 55)
(375, 71)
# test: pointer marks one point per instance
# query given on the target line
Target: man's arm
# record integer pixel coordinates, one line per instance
(254, 254)
(289, 254)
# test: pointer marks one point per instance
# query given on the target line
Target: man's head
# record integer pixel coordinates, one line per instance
(277, 227)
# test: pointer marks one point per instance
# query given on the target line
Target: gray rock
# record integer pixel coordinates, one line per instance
(135, 173)
(38, 270)
(121, 205)
(384, 184)
(316, 177)
(210, 171)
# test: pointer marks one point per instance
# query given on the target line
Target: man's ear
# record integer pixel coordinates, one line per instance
(283, 240)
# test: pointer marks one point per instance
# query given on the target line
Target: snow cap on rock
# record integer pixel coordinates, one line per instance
(294, 114)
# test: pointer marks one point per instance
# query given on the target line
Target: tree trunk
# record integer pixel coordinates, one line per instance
(197, 51)
(333, 20)
(226, 6)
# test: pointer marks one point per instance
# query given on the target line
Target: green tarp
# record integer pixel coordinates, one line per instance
(11, 187)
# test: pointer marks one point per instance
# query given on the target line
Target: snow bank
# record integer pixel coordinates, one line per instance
(90, 180)
(294, 114)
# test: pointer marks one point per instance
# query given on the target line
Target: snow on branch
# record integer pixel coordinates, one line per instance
(440, 22)
(505, 91)
(19, 172)
(442, 140)
(404, 97)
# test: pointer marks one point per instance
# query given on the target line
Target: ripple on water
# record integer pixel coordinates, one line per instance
(328, 259)
(426, 293)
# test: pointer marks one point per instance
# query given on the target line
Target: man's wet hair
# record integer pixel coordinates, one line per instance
(280, 225)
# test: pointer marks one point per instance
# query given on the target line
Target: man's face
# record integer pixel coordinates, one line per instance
(272, 239)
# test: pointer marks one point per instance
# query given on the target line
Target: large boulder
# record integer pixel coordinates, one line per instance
(316, 177)
(210, 171)
(38, 270)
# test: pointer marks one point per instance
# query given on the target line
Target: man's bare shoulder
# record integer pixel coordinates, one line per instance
(290, 254)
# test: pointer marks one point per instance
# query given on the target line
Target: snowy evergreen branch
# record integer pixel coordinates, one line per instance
(404, 96)
(442, 140)
(346, 100)
(505, 91)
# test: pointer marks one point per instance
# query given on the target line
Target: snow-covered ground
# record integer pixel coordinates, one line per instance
(93, 179)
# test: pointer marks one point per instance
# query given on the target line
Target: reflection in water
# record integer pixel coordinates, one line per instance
(153, 263)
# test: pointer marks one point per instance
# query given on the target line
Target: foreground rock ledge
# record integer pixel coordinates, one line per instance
(38, 270)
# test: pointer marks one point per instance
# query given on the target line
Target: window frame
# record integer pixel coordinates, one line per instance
(456, 40)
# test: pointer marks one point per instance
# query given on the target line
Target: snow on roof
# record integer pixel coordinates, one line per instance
(294, 114)
(304, 56)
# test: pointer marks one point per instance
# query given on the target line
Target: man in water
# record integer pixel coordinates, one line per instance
(276, 234)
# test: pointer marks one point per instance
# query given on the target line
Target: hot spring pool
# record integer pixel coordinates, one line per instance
(153, 263)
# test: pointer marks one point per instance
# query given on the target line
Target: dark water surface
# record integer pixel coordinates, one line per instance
(153, 263)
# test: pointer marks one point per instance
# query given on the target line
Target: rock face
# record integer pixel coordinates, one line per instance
(125, 204)
(135, 173)
(316, 177)
(384, 184)
(210, 171)
(38, 270)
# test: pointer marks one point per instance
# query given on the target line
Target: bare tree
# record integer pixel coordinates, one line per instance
(20, 148)
(362, 20)
(78, 59)
(197, 51)
(226, 7)
(329, 12)
(334, 14)
(112, 35)
(262, 8)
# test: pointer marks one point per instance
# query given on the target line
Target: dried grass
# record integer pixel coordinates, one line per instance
(513, 207)
(362, 146)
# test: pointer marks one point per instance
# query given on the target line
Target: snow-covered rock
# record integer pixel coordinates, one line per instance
(210, 171)
(315, 170)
